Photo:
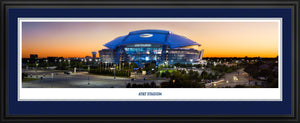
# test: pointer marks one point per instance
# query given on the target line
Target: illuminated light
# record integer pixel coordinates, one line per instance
(147, 58)
(235, 78)
(146, 35)
(142, 45)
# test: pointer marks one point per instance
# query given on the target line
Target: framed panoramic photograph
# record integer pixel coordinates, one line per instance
(150, 61)
(119, 56)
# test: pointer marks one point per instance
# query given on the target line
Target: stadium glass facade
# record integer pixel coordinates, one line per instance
(144, 46)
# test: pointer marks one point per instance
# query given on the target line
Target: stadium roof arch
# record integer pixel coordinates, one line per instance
(151, 36)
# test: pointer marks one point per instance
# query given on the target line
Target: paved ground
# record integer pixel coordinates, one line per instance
(78, 80)
(228, 80)
(85, 80)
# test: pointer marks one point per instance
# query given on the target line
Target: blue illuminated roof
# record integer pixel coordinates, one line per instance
(151, 36)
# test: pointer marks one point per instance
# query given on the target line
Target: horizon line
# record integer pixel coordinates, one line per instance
(202, 57)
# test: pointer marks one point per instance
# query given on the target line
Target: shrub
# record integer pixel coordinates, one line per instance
(24, 75)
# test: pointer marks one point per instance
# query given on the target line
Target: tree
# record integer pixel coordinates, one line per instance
(204, 74)
(191, 72)
(229, 70)
(133, 65)
(210, 76)
(168, 73)
(163, 74)
(263, 73)
(149, 66)
(183, 72)
(157, 74)
(24, 75)
(177, 64)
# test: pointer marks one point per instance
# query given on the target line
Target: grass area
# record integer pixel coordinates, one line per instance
(166, 70)
(29, 79)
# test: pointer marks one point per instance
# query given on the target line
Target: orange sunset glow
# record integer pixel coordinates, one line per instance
(218, 39)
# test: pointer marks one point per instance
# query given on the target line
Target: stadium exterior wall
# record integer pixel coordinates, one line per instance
(156, 46)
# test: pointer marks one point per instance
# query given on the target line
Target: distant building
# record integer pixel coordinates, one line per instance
(94, 55)
(33, 56)
(106, 55)
(52, 59)
(88, 57)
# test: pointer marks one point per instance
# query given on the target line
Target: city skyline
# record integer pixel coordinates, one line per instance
(218, 39)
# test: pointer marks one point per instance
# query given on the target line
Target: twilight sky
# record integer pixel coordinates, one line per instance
(218, 39)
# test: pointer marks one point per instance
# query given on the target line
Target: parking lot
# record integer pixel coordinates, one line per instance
(77, 80)
(238, 77)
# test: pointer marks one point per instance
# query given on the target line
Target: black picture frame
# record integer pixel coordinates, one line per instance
(6, 4)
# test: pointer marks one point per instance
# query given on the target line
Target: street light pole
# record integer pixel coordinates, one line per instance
(115, 71)
(129, 65)
(69, 64)
(36, 67)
